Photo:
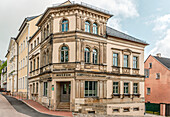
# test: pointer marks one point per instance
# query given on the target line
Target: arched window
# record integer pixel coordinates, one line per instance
(87, 26)
(44, 57)
(47, 30)
(44, 33)
(64, 54)
(87, 55)
(95, 56)
(64, 25)
(95, 28)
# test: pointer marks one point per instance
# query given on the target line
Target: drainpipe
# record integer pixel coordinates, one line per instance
(17, 66)
(28, 58)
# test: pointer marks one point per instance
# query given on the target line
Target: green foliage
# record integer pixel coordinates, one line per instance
(3, 66)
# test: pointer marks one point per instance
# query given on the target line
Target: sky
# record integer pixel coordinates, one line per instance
(148, 20)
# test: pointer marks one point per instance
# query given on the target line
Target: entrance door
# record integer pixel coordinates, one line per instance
(65, 91)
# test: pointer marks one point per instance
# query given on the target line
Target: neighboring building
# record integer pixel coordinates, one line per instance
(12, 66)
(157, 82)
(3, 75)
(4, 78)
(78, 63)
(27, 29)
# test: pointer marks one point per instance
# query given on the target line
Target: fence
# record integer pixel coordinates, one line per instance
(152, 108)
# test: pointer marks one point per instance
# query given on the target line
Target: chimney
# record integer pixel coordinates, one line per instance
(158, 54)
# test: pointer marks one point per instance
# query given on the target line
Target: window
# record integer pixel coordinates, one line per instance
(38, 41)
(44, 33)
(150, 65)
(34, 64)
(31, 66)
(64, 25)
(44, 57)
(24, 44)
(126, 88)
(23, 62)
(115, 110)
(45, 88)
(136, 109)
(64, 54)
(135, 62)
(87, 55)
(125, 60)
(87, 26)
(135, 88)
(37, 88)
(31, 46)
(95, 28)
(157, 75)
(115, 59)
(35, 44)
(33, 87)
(21, 47)
(148, 91)
(90, 88)
(48, 30)
(65, 89)
(126, 110)
(38, 63)
(23, 83)
(146, 73)
(115, 87)
(95, 56)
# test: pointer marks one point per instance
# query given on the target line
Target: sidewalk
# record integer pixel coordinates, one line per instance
(42, 109)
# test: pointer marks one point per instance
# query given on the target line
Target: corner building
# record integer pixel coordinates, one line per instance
(84, 66)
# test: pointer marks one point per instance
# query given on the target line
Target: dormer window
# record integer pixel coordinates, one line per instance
(64, 25)
(87, 26)
(95, 28)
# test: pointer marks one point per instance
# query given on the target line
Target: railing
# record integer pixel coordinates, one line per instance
(86, 5)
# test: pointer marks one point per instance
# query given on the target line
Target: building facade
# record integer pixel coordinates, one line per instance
(157, 72)
(26, 30)
(12, 71)
(4, 78)
(78, 63)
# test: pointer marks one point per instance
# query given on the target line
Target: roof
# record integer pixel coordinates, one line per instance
(164, 61)
(112, 32)
(31, 18)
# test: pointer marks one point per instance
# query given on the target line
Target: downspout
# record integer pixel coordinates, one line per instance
(28, 58)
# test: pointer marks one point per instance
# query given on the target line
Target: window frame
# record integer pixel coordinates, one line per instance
(135, 62)
(158, 75)
(87, 55)
(135, 88)
(94, 89)
(148, 92)
(116, 88)
(126, 60)
(63, 54)
(95, 28)
(87, 26)
(95, 56)
(115, 59)
(64, 23)
(124, 88)
(45, 89)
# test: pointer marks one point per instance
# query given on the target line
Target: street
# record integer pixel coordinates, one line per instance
(11, 107)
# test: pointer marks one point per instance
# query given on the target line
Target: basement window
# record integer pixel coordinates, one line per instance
(136, 109)
(115, 110)
(126, 110)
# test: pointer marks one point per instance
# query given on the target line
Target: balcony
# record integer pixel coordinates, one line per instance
(126, 70)
(35, 72)
(116, 69)
(135, 71)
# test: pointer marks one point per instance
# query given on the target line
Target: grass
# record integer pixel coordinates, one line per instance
(151, 112)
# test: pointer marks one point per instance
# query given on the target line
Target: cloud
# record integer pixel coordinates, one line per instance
(13, 13)
(162, 29)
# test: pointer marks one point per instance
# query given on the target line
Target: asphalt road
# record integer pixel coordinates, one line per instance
(21, 107)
